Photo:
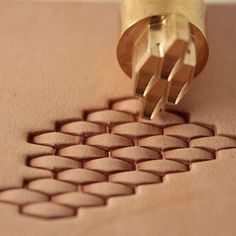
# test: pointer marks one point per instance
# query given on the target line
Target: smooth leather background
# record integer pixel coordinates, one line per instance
(57, 59)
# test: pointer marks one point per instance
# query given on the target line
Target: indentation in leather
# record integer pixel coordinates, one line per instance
(110, 153)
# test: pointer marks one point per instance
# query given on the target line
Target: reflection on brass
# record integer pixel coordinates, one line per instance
(162, 48)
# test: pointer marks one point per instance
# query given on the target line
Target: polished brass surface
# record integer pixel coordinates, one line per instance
(162, 47)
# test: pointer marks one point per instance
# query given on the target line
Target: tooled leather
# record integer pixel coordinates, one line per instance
(110, 153)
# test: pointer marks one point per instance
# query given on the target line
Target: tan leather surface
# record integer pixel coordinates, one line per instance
(58, 67)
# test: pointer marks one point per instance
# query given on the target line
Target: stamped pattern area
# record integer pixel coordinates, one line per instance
(108, 154)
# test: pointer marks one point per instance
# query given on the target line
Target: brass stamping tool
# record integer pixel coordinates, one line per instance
(162, 48)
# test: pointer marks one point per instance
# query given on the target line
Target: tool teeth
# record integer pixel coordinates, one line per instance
(182, 78)
(145, 74)
(147, 60)
(177, 32)
(155, 99)
(164, 62)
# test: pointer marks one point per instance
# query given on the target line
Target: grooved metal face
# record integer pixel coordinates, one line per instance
(162, 48)
(110, 153)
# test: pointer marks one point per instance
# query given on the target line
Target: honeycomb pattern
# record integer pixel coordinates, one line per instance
(110, 153)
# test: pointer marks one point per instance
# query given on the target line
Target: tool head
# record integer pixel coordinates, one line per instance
(162, 48)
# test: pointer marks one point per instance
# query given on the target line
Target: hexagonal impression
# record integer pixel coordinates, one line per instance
(90, 172)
